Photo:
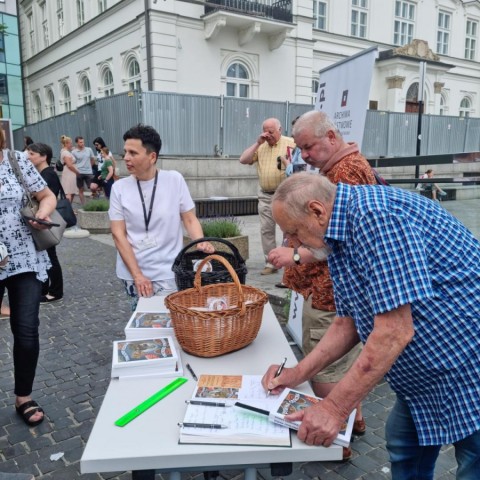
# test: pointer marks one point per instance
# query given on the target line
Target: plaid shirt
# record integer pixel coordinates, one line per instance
(392, 248)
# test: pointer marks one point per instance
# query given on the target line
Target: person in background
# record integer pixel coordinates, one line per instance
(84, 162)
(407, 285)
(104, 178)
(431, 187)
(40, 155)
(323, 147)
(266, 154)
(26, 142)
(23, 274)
(69, 174)
(147, 212)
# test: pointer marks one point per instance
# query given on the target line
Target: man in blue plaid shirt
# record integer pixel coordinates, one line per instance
(406, 278)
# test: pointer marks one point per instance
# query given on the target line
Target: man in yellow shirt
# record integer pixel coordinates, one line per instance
(270, 145)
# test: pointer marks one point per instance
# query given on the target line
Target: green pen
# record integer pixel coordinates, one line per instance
(149, 402)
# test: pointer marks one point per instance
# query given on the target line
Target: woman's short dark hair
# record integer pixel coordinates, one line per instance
(149, 137)
(41, 149)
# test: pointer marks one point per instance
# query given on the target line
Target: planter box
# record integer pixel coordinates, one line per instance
(94, 222)
(240, 242)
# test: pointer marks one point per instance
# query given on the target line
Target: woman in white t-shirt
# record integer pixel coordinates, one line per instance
(147, 212)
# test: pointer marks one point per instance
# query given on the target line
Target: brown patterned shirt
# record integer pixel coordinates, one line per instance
(314, 278)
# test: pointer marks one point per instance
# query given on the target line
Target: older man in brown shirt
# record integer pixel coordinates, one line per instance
(270, 145)
(323, 147)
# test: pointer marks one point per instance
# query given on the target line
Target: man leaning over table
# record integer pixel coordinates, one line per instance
(264, 153)
(323, 147)
(407, 285)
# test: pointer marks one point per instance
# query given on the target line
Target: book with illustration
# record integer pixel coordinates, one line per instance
(291, 401)
(149, 325)
(215, 396)
(147, 356)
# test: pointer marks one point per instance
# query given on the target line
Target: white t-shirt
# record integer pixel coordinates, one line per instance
(165, 228)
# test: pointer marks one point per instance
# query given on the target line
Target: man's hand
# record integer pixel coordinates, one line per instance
(263, 137)
(281, 257)
(288, 378)
(320, 423)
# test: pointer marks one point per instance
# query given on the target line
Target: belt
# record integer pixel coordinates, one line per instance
(268, 193)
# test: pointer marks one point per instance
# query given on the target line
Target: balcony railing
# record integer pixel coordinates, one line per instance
(270, 9)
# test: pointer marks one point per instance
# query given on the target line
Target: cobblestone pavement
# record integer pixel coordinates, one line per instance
(74, 370)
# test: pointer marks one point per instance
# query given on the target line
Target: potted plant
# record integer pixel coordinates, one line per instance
(94, 216)
(228, 228)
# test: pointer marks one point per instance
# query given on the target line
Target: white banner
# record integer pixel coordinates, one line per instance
(343, 93)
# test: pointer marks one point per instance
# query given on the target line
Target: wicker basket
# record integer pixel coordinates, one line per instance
(214, 333)
(183, 266)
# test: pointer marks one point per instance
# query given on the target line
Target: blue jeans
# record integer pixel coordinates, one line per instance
(410, 461)
(24, 292)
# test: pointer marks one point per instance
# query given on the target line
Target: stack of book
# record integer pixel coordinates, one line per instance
(149, 325)
(147, 356)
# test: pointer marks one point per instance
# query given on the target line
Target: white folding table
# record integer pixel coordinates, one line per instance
(150, 442)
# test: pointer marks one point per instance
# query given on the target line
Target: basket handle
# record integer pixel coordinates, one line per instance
(230, 245)
(197, 283)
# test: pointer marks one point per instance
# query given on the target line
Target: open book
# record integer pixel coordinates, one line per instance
(291, 401)
(234, 426)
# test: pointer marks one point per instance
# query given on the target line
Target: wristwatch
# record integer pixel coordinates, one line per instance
(296, 256)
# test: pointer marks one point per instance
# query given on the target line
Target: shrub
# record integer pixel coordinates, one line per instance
(221, 227)
(101, 205)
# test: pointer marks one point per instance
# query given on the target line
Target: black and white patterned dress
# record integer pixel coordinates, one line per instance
(13, 231)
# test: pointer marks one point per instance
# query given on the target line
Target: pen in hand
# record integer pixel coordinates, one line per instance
(279, 371)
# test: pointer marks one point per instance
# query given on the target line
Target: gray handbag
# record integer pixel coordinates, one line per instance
(42, 239)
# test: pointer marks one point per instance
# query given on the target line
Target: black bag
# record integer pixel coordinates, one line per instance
(59, 166)
(64, 208)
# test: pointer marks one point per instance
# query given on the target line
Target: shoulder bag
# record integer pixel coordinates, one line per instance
(59, 165)
(42, 239)
(64, 207)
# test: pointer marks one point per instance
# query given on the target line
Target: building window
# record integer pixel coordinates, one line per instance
(471, 39)
(50, 103)
(134, 80)
(359, 18)
(85, 92)
(465, 107)
(60, 21)
(31, 30)
(65, 100)
(3, 89)
(46, 41)
(404, 22)
(36, 108)
(80, 13)
(102, 6)
(315, 85)
(443, 33)
(320, 15)
(107, 82)
(238, 81)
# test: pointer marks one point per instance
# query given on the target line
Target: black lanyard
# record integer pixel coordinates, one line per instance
(149, 216)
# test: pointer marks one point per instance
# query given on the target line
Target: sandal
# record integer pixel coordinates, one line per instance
(33, 408)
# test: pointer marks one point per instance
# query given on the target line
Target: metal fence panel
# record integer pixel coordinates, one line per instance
(115, 115)
(188, 124)
(375, 134)
(195, 125)
(243, 120)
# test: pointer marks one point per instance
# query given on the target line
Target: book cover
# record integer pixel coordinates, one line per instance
(149, 325)
(241, 427)
(291, 401)
(147, 356)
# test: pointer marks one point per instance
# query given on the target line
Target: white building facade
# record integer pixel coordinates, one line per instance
(74, 51)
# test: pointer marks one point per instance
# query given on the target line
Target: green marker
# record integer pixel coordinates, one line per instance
(149, 402)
